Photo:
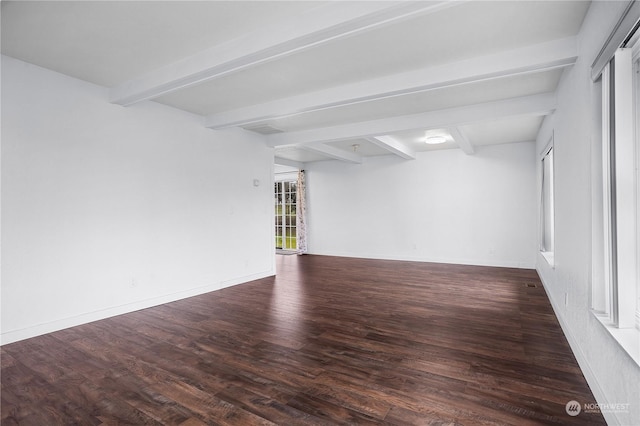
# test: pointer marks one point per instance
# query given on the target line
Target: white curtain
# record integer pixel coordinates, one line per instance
(301, 213)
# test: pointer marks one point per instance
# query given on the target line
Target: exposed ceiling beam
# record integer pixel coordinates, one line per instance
(394, 146)
(290, 163)
(462, 140)
(542, 104)
(335, 153)
(319, 25)
(545, 56)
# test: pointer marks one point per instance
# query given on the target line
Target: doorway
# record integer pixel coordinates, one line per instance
(286, 192)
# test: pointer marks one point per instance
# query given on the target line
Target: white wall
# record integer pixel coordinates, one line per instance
(611, 373)
(444, 206)
(107, 209)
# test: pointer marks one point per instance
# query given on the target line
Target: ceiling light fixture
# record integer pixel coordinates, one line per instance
(434, 140)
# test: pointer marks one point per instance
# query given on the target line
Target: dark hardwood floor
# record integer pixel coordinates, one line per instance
(329, 341)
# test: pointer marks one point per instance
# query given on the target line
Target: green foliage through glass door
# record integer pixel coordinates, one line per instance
(285, 214)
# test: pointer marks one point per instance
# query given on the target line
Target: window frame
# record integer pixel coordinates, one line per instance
(624, 187)
(635, 63)
(288, 223)
(615, 297)
(547, 227)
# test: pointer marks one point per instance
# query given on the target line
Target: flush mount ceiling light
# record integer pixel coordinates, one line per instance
(434, 140)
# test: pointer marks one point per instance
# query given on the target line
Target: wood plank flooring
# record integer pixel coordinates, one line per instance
(328, 341)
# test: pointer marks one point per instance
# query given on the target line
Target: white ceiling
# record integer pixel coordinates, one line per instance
(108, 42)
(318, 78)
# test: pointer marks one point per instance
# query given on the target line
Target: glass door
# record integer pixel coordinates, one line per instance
(285, 211)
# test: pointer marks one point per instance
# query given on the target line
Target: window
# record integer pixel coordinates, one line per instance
(615, 279)
(636, 105)
(547, 211)
(620, 187)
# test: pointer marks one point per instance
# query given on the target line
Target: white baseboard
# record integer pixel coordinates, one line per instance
(471, 262)
(40, 329)
(590, 377)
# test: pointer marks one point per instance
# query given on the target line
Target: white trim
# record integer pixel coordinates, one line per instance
(607, 228)
(430, 259)
(547, 228)
(286, 177)
(49, 327)
(617, 36)
(626, 185)
(636, 109)
(548, 146)
(549, 257)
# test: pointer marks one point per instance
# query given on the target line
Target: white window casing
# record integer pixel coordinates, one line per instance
(615, 278)
(625, 205)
